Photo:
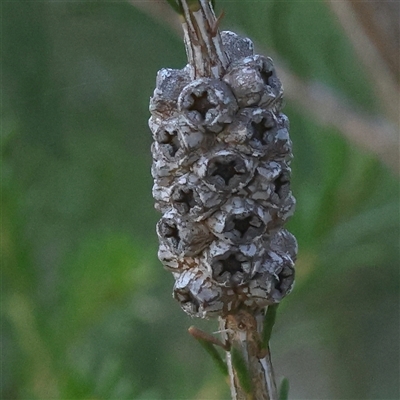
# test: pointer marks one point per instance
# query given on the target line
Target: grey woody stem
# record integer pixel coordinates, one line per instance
(203, 43)
(242, 333)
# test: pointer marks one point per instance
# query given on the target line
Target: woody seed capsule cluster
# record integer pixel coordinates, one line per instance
(221, 156)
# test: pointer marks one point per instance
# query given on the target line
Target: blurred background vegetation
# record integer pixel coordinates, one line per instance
(86, 307)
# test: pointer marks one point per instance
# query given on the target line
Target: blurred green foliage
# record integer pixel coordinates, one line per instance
(86, 307)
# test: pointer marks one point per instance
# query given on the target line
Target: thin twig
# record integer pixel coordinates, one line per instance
(202, 41)
(384, 82)
(243, 332)
(381, 23)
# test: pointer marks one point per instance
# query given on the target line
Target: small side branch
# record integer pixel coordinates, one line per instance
(208, 342)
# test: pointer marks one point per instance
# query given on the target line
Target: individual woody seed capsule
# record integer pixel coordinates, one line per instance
(208, 103)
(228, 269)
(260, 124)
(161, 195)
(166, 135)
(278, 141)
(283, 241)
(270, 187)
(178, 141)
(173, 262)
(272, 282)
(185, 199)
(236, 47)
(261, 187)
(280, 268)
(281, 186)
(239, 221)
(231, 265)
(162, 168)
(286, 209)
(285, 282)
(183, 237)
(273, 261)
(254, 83)
(225, 170)
(259, 290)
(195, 141)
(170, 144)
(281, 198)
(167, 257)
(264, 290)
(165, 166)
(191, 197)
(169, 85)
(249, 131)
(198, 294)
(177, 132)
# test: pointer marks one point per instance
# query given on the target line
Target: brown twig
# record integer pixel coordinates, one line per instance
(383, 81)
(243, 332)
(203, 42)
(380, 21)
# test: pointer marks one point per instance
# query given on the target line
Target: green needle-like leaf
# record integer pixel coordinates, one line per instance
(269, 322)
(284, 389)
(176, 6)
(241, 369)
(216, 357)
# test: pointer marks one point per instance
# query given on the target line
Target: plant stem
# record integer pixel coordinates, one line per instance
(203, 43)
(243, 332)
(249, 364)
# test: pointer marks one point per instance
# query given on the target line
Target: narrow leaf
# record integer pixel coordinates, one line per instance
(284, 389)
(212, 351)
(241, 369)
(176, 6)
(219, 362)
(269, 321)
